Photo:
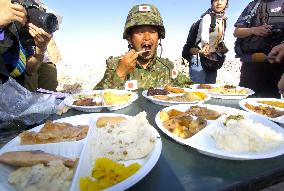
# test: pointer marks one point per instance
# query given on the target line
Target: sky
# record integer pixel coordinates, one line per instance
(91, 30)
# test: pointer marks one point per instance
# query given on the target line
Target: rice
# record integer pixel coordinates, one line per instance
(130, 139)
(53, 177)
(245, 136)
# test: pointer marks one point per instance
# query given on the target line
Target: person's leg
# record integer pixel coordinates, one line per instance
(261, 78)
(249, 76)
(31, 81)
(47, 78)
(196, 72)
(274, 73)
(210, 77)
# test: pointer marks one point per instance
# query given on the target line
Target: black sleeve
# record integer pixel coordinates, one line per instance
(185, 52)
(4, 75)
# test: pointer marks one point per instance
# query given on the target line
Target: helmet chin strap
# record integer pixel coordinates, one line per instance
(160, 44)
(130, 46)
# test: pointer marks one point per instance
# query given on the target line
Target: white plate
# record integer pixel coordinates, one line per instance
(67, 149)
(69, 101)
(231, 96)
(204, 143)
(253, 101)
(169, 103)
(78, 149)
(146, 163)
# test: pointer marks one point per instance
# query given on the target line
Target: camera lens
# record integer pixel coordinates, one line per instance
(50, 23)
(47, 21)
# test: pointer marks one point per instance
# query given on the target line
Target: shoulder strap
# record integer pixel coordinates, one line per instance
(213, 22)
(252, 13)
(225, 26)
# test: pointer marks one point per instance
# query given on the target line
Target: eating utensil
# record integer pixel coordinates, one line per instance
(138, 52)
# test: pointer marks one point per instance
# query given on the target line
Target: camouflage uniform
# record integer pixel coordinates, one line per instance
(158, 72)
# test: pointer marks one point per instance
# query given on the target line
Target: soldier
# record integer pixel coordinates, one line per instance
(141, 65)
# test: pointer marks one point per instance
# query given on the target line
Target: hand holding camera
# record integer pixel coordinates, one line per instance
(11, 12)
(38, 16)
(41, 38)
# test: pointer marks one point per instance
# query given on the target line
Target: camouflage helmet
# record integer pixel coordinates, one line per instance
(144, 14)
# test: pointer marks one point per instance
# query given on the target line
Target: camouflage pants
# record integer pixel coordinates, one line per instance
(45, 77)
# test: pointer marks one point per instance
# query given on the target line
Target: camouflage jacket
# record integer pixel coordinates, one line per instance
(157, 74)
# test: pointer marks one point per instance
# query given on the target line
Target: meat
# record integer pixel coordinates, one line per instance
(30, 158)
(184, 126)
(86, 102)
(54, 132)
(203, 112)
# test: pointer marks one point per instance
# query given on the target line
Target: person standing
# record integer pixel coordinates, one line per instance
(259, 28)
(209, 39)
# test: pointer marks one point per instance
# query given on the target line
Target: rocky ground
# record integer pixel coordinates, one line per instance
(228, 74)
(88, 76)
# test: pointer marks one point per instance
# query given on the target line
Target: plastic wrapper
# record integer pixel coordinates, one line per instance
(18, 105)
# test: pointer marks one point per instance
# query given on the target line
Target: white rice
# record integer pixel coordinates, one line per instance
(131, 139)
(245, 136)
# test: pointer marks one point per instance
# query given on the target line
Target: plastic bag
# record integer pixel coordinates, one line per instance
(19, 104)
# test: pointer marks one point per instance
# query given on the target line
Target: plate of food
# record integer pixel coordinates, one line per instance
(183, 121)
(229, 92)
(96, 100)
(125, 146)
(270, 108)
(46, 150)
(68, 166)
(182, 96)
(228, 133)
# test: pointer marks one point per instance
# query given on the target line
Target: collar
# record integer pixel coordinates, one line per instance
(220, 15)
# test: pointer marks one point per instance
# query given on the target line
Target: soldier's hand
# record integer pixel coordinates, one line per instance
(263, 30)
(11, 12)
(127, 63)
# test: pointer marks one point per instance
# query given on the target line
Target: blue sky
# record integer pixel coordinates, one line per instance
(92, 30)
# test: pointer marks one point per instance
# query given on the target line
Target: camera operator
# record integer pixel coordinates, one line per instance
(16, 59)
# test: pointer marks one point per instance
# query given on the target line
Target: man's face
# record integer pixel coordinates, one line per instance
(219, 5)
(144, 38)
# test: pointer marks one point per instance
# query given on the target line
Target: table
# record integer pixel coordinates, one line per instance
(183, 168)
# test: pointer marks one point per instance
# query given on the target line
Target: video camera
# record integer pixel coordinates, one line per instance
(37, 16)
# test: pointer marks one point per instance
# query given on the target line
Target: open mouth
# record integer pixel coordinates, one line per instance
(147, 48)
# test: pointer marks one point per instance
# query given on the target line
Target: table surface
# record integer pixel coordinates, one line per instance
(183, 168)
